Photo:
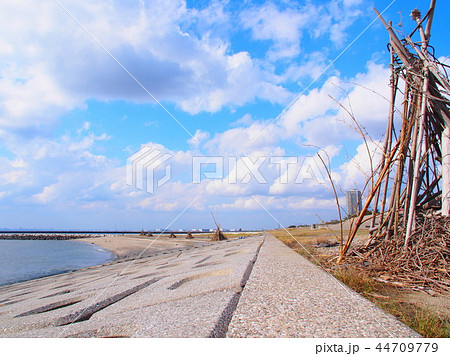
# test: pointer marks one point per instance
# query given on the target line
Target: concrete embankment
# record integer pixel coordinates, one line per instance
(288, 296)
(254, 286)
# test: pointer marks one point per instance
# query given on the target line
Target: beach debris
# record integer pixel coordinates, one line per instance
(409, 190)
(218, 234)
(327, 244)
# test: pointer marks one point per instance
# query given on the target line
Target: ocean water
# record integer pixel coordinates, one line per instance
(22, 260)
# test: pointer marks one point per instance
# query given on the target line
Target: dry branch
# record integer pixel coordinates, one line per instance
(410, 239)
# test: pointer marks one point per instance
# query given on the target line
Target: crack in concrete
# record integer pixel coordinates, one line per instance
(221, 327)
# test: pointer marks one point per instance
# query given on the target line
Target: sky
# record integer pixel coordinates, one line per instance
(152, 114)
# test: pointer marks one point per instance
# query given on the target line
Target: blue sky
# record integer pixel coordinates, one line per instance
(71, 115)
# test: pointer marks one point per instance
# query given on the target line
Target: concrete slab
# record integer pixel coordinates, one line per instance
(250, 287)
(177, 294)
(288, 296)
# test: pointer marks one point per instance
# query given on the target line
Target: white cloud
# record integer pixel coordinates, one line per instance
(245, 120)
(309, 67)
(287, 25)
(242, 82)
(199, 137)
(65, 171)
(267, 22)
(319, 119)
(277, 204)
(358, 170)
(54, 66)
(86, 142)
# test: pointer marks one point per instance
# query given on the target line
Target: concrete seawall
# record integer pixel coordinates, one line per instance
(250, 287)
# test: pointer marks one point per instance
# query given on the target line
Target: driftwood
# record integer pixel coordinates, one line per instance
(422, 265)
(410, 190)
(218, 234)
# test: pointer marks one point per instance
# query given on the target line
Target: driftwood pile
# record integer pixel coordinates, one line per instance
(422, 264)
(409, 190)
(218, 234)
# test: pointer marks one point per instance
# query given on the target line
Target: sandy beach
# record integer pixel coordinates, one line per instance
(131, 246)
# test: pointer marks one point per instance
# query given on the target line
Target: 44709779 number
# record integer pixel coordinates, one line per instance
(407, 347)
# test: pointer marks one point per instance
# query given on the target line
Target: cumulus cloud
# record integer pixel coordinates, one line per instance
(287, 25)
(66, 171)
(55, 66)
(324, 115)
(61, 171)
(359, 168)
(284, 28)
(199, 137)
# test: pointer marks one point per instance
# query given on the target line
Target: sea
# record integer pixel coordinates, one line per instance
(23, 260)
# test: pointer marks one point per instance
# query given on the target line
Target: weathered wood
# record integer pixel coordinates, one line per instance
(446, 171)
(400, 50)
(417, 163)
(414, 172)
(387, 142)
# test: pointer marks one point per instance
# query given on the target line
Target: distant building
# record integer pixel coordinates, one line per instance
(354, 202)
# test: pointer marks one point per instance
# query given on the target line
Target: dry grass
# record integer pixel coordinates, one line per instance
(357, 280)
(230, 235)
(426, 321)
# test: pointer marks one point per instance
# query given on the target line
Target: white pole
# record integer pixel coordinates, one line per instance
(416, 183)
(445, 142)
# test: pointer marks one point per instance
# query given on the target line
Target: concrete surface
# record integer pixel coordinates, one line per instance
(288, 296)
(250, 287)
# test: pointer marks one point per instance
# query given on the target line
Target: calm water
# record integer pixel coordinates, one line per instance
(21, 260)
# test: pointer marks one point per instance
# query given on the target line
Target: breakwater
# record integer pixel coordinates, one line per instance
(46, 236)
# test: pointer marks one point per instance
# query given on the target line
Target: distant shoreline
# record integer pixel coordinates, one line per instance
(41, 236)
(66, 232)
(75, 235)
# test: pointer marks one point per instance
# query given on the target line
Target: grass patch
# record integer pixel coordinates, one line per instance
(425, 321)
(356, 280)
